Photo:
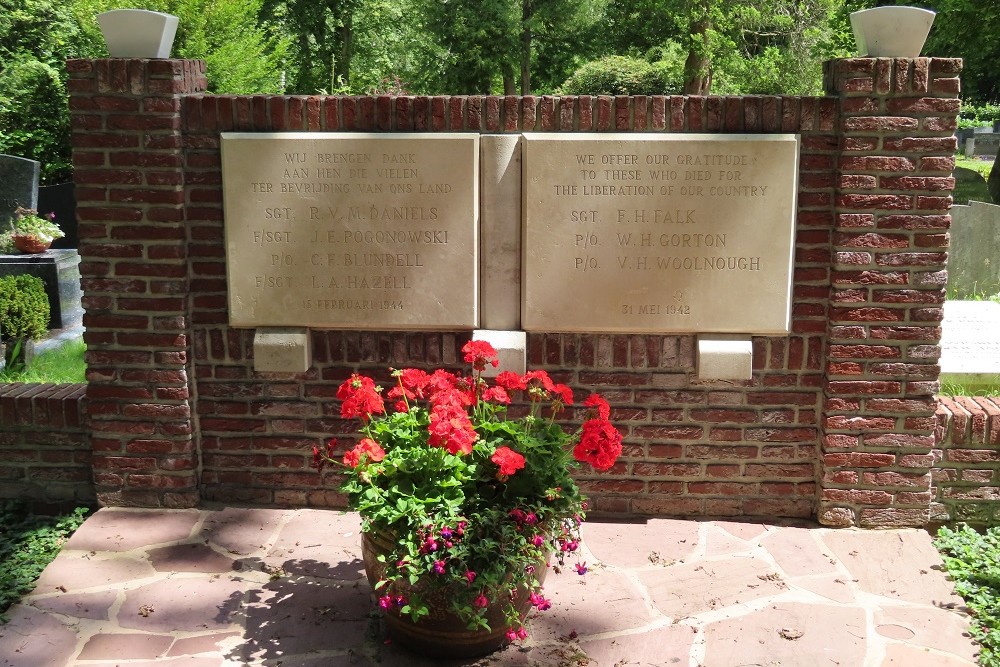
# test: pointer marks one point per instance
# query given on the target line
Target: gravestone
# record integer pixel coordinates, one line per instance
(60, 271)
(982, 143)
(18, 185)
(974, 253)
(970, 344)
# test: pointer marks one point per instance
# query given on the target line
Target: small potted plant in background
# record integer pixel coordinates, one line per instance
(24, 318)
(29, 232)
(465, 502)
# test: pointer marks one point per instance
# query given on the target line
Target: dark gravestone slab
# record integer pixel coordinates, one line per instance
(60, 271)
(18, 185)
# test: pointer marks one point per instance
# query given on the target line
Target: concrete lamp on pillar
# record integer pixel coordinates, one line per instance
(138, 33)
(891, 32)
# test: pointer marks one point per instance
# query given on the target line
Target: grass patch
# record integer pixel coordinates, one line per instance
(62, 365)
(977, 293)
(972, 559)
(953, 389)
(970, 180)
(29, 542)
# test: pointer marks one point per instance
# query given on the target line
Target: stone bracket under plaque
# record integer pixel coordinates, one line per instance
(511, 347)
(282, 350)
(725, 357)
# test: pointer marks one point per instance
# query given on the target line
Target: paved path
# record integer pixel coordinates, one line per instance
(212, 588)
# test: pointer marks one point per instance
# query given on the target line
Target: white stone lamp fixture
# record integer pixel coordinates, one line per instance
(138, 33)
(891, 32)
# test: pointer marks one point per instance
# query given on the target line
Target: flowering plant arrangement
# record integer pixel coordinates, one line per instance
(27, 223)
(475, 500)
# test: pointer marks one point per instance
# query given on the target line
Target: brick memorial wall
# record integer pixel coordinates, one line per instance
(838, 420)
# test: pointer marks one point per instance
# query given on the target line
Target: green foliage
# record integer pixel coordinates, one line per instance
(967, 29)
(777, 47)
(496, 46)
(62, 365)
(977, 115)
(34, 116)
(633, 27)
(24, 307)
(953, 389)
(393, 51)
(322, 41)
(36, 36)
(242, 55)
(624, 75)
(479, 40)
(972, 559)
(28, 543)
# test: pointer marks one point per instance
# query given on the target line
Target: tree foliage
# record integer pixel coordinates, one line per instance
(393, 50)
(36, 36)
(969, 29)
(495, 45)
(242, 55)
(322, 41)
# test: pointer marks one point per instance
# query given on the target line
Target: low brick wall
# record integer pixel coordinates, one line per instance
(966, 474)
(45, 455)
(45, 445)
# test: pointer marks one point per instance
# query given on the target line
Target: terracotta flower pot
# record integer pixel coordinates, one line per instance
(442, 634)
(31, 244)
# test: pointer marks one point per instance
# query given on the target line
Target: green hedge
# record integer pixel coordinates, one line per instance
(622, 75)
(24, 307)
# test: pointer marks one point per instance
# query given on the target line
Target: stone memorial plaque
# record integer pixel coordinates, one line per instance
(650, 233)
(352, 231)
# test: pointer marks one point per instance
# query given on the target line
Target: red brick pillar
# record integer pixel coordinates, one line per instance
(897, 118)
(127, 154)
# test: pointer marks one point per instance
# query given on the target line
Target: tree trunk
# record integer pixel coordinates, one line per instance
(509, 80)
(345, 49)
(698, 66)
(527, 11)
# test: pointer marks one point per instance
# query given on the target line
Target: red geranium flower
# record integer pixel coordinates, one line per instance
(479, 353)
(542, 377)
(597, 401)
(600, 444)
(414, 381)
(360, 398)
(496, 395)
(508, 460)
(366, 449)
(510, 381)
(565, 393)
(450, 428)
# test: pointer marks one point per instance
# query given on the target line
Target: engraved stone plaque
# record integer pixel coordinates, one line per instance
(651, 233)
(351, 230)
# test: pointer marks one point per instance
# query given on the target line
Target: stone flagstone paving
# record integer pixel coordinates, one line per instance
(226, 587)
